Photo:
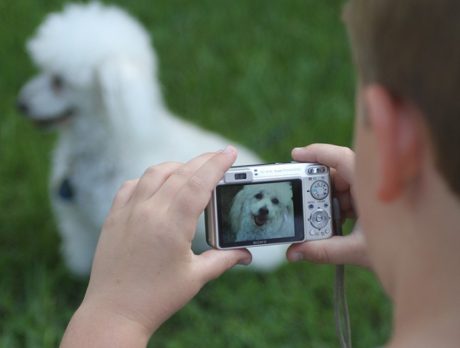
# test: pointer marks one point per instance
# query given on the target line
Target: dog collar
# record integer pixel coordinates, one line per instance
(66, 190)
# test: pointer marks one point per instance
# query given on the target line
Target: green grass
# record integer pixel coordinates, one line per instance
(269, 74)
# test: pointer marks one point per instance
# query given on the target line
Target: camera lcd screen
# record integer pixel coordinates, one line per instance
(260, 213)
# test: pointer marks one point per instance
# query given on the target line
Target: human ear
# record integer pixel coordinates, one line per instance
(395, 123)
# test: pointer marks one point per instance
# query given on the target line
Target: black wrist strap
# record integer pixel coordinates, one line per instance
(341, 313)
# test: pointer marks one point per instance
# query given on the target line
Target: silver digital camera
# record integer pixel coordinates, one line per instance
(270, 204)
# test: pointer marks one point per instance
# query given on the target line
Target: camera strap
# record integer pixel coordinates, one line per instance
(341, 313)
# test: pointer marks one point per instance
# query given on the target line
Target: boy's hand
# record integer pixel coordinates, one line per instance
(350, 249)
(144, 269)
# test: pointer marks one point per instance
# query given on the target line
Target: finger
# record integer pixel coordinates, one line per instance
(124, 193)
(350, 249)
(345, 201)
(337, 157)
(213, 263)
(347, 215)
(340, 183)
(183, 173)
(153, 178)
(195, 190)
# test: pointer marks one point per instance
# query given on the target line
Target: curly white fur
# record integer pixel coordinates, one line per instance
(262, 211)
(98, 87)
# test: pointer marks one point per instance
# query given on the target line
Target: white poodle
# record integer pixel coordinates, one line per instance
(262, 211)
(98, 87)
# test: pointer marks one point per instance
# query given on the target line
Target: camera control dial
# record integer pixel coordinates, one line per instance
(319, 189)
(319, 219)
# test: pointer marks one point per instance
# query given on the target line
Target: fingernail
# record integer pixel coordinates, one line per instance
(246, 261)
(296, 149)
(296, 257)
(229, 150)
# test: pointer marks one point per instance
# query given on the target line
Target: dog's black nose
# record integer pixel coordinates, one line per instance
(263, 211)
(22, 107)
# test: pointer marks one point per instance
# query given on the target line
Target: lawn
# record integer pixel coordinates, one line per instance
(269, 74)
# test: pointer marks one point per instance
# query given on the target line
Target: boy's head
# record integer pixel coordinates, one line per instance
(407, 55)
(412, 48)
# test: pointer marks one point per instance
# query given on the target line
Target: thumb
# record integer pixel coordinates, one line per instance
(350, 249)
(213, 263)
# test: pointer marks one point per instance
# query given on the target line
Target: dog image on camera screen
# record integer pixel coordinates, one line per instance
(262, 211)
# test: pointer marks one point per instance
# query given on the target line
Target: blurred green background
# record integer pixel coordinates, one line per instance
(269, 74)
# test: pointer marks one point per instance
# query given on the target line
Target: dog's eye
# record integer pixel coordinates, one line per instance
(259, 196)
(57, 83)
(275, 201)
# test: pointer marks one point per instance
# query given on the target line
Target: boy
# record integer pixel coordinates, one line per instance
(403, 182)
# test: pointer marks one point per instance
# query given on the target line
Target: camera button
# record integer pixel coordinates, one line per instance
(319, 219)
(319, 189)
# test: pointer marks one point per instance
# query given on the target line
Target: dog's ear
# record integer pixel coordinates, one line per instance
(288, 196)
(130, 95)
(290, 207)
(237, 210)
